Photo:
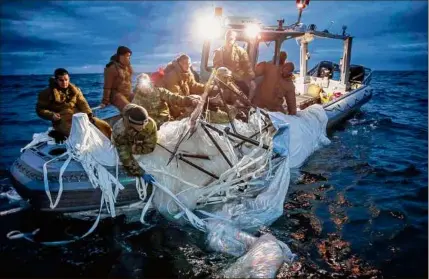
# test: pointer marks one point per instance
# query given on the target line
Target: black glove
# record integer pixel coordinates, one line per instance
(91, 118)
(57, 136)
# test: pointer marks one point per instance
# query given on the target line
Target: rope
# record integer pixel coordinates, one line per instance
(30, 236)
(46, 181)
(146, 208)
(141, 188)
(192, 218)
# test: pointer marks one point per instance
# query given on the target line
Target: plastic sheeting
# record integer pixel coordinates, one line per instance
(265, 181)
(307, 132)
(87, 145)
(223, 237)
(263, 259)
(38, 138)
(86, 140)
(249, 193)
(191, 185)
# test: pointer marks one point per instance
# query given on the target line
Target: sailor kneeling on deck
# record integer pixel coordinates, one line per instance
(60, 101)
(135, 133)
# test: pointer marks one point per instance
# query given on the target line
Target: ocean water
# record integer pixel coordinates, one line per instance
(357, 208)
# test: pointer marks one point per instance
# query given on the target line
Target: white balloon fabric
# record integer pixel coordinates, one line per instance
(246, 190)
(307, 132)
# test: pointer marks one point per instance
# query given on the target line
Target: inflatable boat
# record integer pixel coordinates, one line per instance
(340, 88)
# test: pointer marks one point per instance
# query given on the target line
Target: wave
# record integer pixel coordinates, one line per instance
(39, 86)
(9, 143)
(361, 122)
(8, 114)
(13, 85)
(404, 83)
(386, 122)
(27, 94)
(409, 171)
(36, 121)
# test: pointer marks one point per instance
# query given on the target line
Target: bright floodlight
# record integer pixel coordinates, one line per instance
(143, 83)
(208, 27)
(252, 30)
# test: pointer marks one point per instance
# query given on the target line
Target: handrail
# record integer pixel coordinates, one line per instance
(368, 77)
(97, 108)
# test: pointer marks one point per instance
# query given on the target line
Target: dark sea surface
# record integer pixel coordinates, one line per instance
(357, 208)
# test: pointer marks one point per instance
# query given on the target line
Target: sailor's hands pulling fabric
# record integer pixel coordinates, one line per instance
(148, 178)
(134, 170)
(91, 118)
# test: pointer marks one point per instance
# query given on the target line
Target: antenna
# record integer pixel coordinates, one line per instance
(327, 29)
(281, 22)
(344, 29)
(301, 5)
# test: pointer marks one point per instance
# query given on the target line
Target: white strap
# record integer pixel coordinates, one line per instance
(46, 180)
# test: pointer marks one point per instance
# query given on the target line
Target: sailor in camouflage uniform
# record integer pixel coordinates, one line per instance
(157, 100)
(236, 59)
(135, 133)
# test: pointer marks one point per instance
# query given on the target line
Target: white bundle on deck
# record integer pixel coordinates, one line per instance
(87, 145)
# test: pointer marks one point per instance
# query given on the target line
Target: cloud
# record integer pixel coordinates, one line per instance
(12, 41)
(410, 46)
(38, 36)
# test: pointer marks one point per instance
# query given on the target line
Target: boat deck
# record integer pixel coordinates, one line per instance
(303, 101)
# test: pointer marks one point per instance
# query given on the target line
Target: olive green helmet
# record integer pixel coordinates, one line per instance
(224, 74)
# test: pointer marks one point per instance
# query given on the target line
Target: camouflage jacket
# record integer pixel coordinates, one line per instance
(129, 141)
(66, 103)
(237, 60)
(158, 101)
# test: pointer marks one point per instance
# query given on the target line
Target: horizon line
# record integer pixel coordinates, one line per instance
(8, 75)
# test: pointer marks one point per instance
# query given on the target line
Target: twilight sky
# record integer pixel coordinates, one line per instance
(39, 36)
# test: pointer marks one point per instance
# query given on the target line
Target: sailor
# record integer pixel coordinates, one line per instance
(60, 101)
(135, 133)
(157, 100)
(117, 79)
(236, 59)
(179, 79)
(282, 57)
(276, 85)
